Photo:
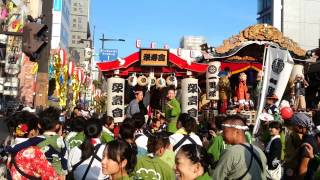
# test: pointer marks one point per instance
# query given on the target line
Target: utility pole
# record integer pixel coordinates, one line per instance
(42, 83)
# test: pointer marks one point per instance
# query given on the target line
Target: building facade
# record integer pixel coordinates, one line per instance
(80, 11)
(61, 24)
(192, 42)
(297, 19)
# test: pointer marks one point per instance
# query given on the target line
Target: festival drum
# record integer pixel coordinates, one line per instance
(160, 82)
(142, 80)
(172, 81)
(132, 80)
(152, 79)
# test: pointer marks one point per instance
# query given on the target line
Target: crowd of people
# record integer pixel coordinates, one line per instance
(173, 145)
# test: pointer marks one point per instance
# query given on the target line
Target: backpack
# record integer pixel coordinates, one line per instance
(182, 140)
(74, 167)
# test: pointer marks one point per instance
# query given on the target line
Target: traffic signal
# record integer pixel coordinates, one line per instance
(33, 39)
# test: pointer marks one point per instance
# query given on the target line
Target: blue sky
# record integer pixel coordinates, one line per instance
(166, 21)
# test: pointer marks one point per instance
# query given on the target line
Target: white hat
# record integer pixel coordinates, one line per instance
(266, 117)
(29, 109)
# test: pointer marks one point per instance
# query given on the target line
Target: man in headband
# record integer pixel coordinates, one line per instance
(242, 160)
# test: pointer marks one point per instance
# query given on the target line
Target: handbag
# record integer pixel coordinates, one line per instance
(275, 174)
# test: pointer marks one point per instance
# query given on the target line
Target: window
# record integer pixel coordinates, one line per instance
(74, 20)
(75, 4)
(74, 25)
(73, 36)
(75, 9)
(79, 37)
(73, 41)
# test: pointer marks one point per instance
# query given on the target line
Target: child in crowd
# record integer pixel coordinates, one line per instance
(53, 144)
(35, 165)
(76, 136)
(271, 108)
(107, 128)
(156, 125)
(119, 160)
(140, 138)
(151, 166)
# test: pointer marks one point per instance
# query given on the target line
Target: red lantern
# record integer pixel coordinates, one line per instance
(71, 68)
(63, 56)
(286, 113)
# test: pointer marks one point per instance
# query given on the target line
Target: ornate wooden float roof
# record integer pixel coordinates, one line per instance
(260, 32)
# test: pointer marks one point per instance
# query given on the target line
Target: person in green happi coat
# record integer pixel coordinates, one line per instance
(107, 128)
(172, 110)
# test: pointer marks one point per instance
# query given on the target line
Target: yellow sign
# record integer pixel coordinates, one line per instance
(154, 57)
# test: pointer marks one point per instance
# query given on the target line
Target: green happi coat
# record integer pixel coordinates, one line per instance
(172, 115)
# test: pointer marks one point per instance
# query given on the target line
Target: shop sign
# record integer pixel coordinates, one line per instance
(154, 57)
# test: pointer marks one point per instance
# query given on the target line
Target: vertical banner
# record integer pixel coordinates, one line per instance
(189, 104)
(277, 71)
(13, 55)
(212, 80)
(115, 100)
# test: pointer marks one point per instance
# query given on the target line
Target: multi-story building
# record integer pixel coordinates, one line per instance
(80, 10)
(297, 19)
(192, 42)
(60, 24)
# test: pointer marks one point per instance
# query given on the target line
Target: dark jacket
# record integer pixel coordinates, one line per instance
(274, 153)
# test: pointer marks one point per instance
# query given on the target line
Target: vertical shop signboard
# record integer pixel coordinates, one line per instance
(212, 80)
(13, 55)
(189, 104)
(115, 100)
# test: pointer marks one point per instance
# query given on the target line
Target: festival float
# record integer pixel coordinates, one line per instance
(154, 70)
(257, 62)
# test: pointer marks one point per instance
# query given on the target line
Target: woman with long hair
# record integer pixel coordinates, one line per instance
(193, 162)
(119, 159)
